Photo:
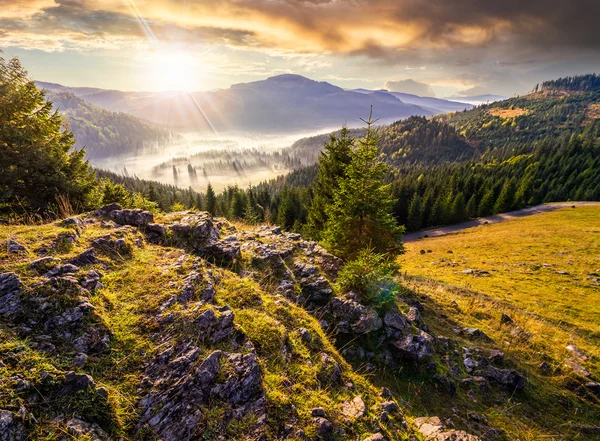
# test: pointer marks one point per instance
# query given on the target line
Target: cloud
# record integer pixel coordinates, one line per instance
(409, 86)
(449, 36)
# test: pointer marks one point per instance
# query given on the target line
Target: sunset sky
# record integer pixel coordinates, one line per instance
(446, 48)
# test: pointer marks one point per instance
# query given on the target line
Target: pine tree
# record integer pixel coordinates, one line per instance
(360, 216)
(37, 160)
(332, 165)
(211, 200)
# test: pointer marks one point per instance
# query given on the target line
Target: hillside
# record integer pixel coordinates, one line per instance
(104, 133)
(191, 328)
(278, 104)
(542, 273)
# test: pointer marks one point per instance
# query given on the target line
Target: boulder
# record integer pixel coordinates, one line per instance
(413, 315)
(396, 320)
(135, 217)
(107, 209)
(375, 437)
(76, 382)
(196, 230)
(390, 407)
(224, 251)
(80, 429)
(509, 378)
(43, 264)
(11, 427)
(87, 257)
(324, 428)
(353, 317)
(155, 233)
(415, 347)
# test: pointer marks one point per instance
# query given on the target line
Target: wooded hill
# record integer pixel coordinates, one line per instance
(104, 133)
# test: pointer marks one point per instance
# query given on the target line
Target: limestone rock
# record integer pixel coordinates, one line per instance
(11, 427)
(14, 247)
(354, 408)
(10, 292)
(135, 217)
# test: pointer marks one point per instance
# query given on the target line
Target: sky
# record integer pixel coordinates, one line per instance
(443, 48)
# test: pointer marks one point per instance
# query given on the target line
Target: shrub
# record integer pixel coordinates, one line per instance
(371, 275)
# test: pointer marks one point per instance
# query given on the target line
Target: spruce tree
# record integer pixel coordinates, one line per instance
(332, 165)
(38, 162)
(360, 216)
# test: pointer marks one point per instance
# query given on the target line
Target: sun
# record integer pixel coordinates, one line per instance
(176, 71)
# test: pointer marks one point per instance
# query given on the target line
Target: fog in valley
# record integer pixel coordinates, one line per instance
(221, 159)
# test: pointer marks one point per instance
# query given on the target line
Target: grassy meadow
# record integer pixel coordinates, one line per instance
(543, 271)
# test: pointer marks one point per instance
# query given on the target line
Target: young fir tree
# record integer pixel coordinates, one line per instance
(37, 160)
(211, 200)
(360, 214)
(332, 165)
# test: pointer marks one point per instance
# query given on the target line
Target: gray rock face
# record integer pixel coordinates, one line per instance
(155, 232)
(183, 386)
(225, 250)
(355, 318)
(196, 230)
(316, 290)
(10, 292)
(134, 217)
(506, 377)
(396, 320)
(80, 429)
(11, 427)
(87, 257)
(107, 209)
(415, 347)
(44, 264)
(76, 382)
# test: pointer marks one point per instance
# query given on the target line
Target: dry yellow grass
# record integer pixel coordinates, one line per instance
(508, 113)
(544, 272)
(544, 268)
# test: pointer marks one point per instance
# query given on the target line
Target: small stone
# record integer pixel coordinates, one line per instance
(505, 319)
(354, 408)
(545, 367)
(305, 335)
(324, 428)
(14, 247)
(386, 393)
(102, 392)
(317, 412)
(390, 407)
(375, 437)
(80, 359)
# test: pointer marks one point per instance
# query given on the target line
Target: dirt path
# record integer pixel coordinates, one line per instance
(545, 208)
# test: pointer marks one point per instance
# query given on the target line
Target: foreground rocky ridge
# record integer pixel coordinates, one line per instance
(238, 339)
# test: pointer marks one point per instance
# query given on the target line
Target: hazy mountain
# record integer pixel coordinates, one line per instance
(435, 105)
(277, 104)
